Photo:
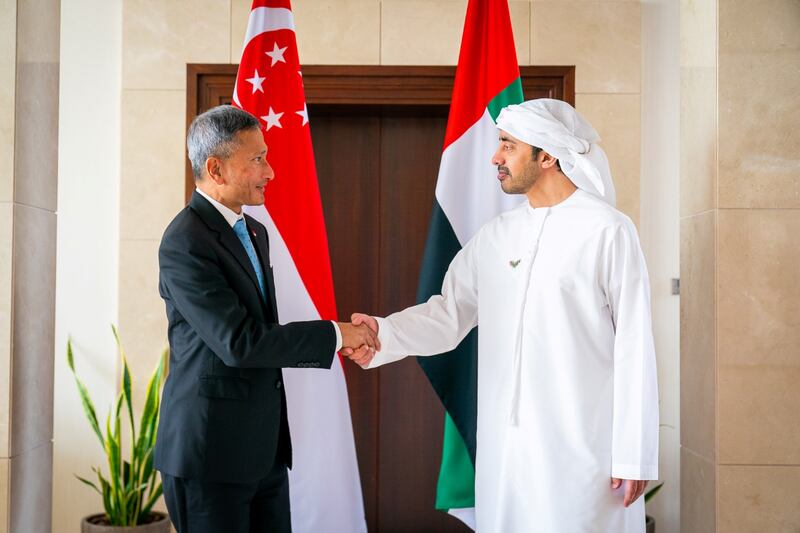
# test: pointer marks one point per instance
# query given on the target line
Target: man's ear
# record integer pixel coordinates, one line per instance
(548, 161)
(213, 170)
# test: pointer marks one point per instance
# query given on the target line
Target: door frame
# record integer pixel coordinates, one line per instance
(208, 85)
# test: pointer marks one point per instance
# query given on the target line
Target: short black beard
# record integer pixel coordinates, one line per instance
(527, 179)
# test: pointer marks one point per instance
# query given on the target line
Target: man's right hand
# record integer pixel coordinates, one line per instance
(361, 318)
(363, 355)
(358, 337)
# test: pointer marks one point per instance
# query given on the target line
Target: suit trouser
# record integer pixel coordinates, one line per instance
(197, 506)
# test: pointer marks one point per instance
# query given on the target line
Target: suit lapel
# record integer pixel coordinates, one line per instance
(261, 239)
(227, 237)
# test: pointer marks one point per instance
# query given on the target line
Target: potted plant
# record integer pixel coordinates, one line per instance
(650, 522)
(132, 486)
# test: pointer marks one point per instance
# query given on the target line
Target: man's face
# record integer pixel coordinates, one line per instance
(516, 167)
(246, 172)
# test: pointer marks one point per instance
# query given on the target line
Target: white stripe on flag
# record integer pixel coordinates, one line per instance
(264, 19)
(466, 515)
(324, 485)
(294, 302)
(467, 188)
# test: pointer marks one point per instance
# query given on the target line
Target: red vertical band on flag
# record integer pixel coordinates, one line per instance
(271, 3)
(487, 64)
(269, 85)
(325, 486)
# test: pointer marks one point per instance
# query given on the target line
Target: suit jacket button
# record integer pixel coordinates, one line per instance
(278, 384)
(316, 364)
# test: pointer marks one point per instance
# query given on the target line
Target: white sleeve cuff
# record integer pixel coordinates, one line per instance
(388, 352)
(641, 472)
(338, 337)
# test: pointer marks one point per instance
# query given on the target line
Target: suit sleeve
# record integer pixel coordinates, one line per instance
(634, 453)
(192, 278)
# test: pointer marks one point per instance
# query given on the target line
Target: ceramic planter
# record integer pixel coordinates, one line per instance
(92, 524)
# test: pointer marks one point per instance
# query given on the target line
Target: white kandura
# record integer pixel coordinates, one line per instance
(567, 388)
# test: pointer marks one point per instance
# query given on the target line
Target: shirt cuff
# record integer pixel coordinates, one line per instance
(388, 353)
(642, 472)
(338, 337)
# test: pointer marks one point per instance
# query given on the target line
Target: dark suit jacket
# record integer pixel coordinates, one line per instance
(223, 411)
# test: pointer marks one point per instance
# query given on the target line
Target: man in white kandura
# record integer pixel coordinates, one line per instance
(567, 391)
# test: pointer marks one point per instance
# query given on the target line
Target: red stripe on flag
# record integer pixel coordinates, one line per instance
(270, 86)
(271, 3)
(487, 64)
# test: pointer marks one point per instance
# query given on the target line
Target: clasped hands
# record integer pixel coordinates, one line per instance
(360, 339)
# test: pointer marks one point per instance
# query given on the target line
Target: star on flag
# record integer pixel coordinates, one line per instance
(256, 82)
(272, 119)
(276, 54)
(304, 114)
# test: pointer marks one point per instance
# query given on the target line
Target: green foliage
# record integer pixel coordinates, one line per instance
(652, 492)
(132, 486)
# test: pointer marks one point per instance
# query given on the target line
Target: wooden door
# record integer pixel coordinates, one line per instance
(377, 170)
(377, 134)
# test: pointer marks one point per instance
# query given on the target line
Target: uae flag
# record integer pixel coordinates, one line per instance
(324, 484)
(467, 196)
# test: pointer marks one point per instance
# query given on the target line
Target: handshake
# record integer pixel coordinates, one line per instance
(360, 339)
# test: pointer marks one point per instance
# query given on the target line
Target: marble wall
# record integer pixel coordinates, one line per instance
(698, 182)
(29, 60)
(740, 200)
(758, 253)
(8, 67)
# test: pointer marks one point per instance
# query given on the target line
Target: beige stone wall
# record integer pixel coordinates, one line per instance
(8, 62)
(698, 169)
(740, 251)
(758, 266)
(29, 56)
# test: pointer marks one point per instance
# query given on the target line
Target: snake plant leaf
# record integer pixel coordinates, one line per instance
(152, 397)
(87, 482)
(132, 486)
(108, 503)
(652, 492)
(148, 507)
(114, 461)
(86, 401)
(127, 475)
(126, 381)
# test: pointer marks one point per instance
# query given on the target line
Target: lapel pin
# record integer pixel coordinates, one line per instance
(515, 263)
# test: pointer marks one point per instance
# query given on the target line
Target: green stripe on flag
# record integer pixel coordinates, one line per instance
(510, 95)
(453, 376)
(455, 489)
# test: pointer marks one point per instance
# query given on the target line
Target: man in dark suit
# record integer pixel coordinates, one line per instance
(223, 445)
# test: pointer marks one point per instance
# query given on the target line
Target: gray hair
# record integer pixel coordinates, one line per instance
(213, 134)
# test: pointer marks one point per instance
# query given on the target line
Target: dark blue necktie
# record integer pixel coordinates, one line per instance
(240, 228)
